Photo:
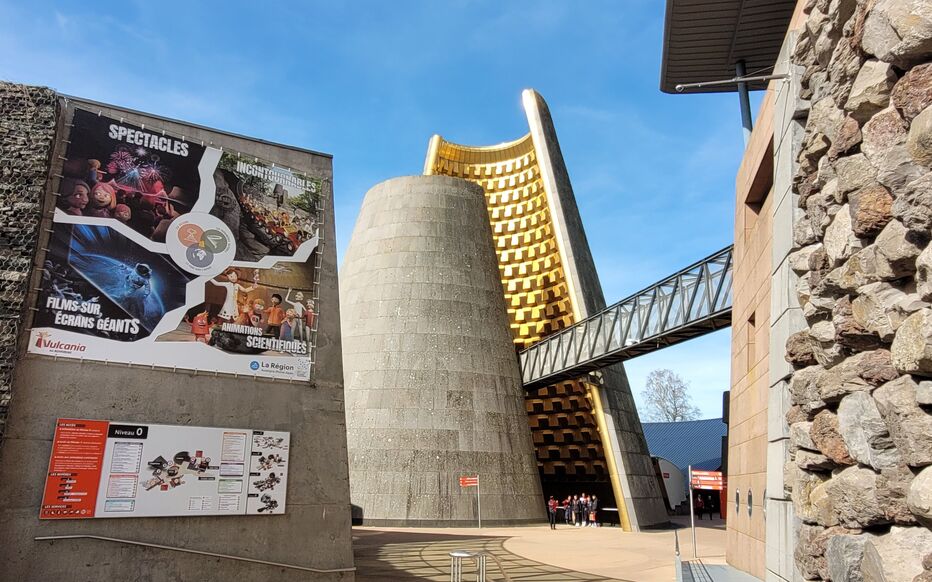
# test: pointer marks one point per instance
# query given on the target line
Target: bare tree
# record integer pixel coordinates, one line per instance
(667, 397)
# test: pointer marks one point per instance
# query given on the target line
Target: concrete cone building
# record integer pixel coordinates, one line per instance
(433, 389)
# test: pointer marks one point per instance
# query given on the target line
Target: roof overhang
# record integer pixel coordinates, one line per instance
(704, 39)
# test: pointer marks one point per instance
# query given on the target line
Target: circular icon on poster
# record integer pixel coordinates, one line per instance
(200, 258)
(200, 243)
(215, 241)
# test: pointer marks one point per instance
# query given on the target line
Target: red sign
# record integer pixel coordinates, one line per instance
(712, 480)
(469, 481)
(74, 469)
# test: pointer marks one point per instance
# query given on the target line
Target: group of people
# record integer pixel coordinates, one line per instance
(277, 320)
(578, 510)
(704, 503)
(278, 222)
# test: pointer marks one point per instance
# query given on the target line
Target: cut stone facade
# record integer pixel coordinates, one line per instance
(433, 389)
(860, 416)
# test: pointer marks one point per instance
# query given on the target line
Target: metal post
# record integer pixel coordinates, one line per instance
(745, 100)
(692, 512)
(478, 501)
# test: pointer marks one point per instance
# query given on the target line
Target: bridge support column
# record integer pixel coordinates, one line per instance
(610, 445)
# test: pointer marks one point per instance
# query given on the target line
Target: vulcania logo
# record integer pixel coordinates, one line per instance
(43, 341)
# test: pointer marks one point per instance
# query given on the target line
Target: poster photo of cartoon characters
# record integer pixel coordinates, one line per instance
(168, 253)
(254, 311)
(121, 171)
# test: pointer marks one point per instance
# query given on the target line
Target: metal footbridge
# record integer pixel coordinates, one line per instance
(686, 305)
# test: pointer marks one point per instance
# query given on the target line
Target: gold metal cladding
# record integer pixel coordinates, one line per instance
(565, 418)
(536, 290)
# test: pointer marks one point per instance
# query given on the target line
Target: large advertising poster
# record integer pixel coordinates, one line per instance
(169, 253)
(100, 468)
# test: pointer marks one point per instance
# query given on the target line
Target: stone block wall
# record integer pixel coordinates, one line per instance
(27, 131)
(860, 424)
(433, 388)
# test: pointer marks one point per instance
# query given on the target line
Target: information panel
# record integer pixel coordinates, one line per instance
(121, 469)
(707, 480)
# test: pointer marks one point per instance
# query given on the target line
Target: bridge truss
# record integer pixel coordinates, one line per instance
(686, 305)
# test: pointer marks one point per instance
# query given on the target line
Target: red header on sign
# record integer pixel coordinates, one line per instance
(707, 480)
(469, 481)
(74, 469)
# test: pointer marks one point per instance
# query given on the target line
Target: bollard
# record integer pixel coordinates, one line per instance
(456, 565)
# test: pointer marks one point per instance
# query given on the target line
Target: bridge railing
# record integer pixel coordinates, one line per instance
(690, 303)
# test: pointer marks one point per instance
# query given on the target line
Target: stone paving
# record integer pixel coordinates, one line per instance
(430, 560)
(534, 553)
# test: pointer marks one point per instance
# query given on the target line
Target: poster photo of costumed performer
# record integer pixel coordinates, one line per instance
(253, 311)
(120, 171)
(270, 210)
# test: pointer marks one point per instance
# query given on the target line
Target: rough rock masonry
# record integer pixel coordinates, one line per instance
(861, 420)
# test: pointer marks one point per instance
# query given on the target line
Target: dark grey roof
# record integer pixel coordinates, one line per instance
(689, 442)
(703, 39)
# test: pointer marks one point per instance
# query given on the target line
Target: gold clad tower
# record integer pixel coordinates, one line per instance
(586, 432)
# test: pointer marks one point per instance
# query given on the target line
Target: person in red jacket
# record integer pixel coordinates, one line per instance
(552, 512)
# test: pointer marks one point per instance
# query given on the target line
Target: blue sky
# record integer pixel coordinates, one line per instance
(370, 82)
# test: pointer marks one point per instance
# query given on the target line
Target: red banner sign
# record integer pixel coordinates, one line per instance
(74, 470)
(469, 481)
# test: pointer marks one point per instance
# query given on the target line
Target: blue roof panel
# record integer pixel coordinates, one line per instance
(689, 442)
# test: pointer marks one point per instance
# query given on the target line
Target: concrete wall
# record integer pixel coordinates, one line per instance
(315, 530)
(433, 389)
(747, 419)
(765, 313)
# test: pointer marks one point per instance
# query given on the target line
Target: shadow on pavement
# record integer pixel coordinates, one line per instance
(386, 556)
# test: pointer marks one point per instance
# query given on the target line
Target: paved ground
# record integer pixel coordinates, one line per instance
(534, 553)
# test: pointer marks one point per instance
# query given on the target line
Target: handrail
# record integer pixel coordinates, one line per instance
(190, 551)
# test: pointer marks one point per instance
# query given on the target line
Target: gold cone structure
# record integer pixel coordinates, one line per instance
(585, 441)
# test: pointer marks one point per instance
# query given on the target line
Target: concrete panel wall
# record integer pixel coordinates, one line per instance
(433, 388)
(315, 531)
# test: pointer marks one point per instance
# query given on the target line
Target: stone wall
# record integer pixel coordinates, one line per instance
(433, 388)
(861, 418)
(27, 131)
